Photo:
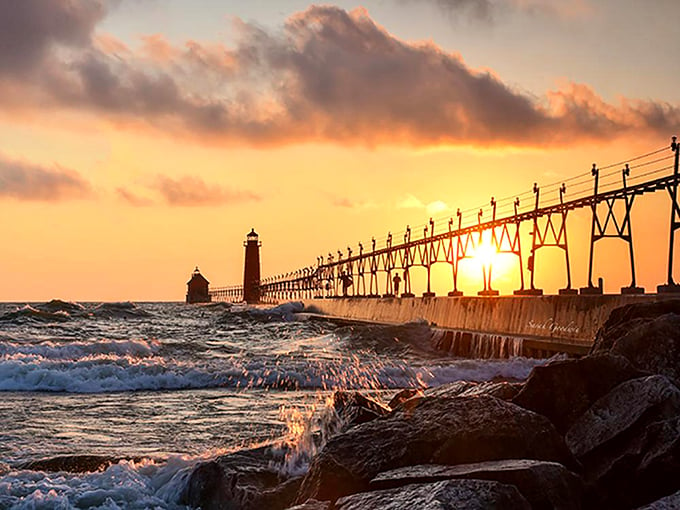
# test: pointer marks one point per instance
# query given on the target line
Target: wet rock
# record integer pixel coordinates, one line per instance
(653, 397)
(671, 502)
(73, 463)
(312, 504)
(437, 430)
(244, 480)
(353, 408)
(278, 497)
(563, 390)
(622, 320)
(650, 345)
(209, 488)
(446, 495)
(452, 389)
(545, 485)
(404, 395)
(628, 442)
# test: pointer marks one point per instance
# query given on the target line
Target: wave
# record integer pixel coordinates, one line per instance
(139, 366)
(57, 305)
(49, 350)
(127, 484)
(62, 311)
(122, 310)
(28, 313)
(284, 312)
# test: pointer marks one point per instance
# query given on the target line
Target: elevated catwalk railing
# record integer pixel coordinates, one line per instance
(609, 195)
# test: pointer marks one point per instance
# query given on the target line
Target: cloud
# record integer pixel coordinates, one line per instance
(328, 76)
(29, 30)
(26, 181)
(193, 191)
(349, 203)
(491, 10)
(413, 202)
(132, 198)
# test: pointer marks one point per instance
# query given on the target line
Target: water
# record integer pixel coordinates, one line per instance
(163, 386)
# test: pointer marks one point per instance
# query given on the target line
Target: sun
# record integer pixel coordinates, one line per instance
(485, 254)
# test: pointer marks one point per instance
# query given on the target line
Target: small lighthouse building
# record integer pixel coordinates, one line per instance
(251, 269)
(197, 288)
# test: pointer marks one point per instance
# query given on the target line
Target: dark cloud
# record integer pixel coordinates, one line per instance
(192, 191)
(329, 75)
(30, 29)
(26, 181)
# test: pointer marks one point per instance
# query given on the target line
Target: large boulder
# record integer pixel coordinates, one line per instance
(243, 480)
(446, 495)
(563, 390)
(621, 320)
(499, 389)
(628, 443)
(435, 430)
(653, 397)
(545, 485)
(652, 345)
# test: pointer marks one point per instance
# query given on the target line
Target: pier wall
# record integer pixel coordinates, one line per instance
(542, 324)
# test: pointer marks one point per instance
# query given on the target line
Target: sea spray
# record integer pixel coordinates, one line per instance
(184, 381)
(307, 431)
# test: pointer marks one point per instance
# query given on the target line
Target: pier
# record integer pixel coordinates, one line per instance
(376, 282)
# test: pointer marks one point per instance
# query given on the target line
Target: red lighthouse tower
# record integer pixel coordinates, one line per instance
(251, 271)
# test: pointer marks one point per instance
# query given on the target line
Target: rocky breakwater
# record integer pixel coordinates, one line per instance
(602, 431)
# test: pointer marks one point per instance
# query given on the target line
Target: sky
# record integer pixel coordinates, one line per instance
(141, 138)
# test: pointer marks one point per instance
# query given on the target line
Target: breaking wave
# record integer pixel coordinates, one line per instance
(127, 484)
(135, 365)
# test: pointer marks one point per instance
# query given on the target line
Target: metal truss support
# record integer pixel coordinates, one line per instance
(671, 286)
(612, 227)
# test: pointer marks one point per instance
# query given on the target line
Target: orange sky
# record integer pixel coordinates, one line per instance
(129, 157)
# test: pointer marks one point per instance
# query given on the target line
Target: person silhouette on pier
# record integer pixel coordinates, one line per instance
(346, 282)
(395, 281)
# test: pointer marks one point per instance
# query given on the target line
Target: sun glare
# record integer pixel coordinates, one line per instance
(486, 254)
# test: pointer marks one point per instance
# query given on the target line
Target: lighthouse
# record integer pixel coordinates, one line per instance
(251, 270)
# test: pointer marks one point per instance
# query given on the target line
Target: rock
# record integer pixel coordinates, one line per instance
(620, 409)
(671, 502)
(623, 319)
(73, 463)
(353, 408)
(629, 443)
(650, 345)
(438, 430)
(499, 389)
(446, 495)
(452, 389)
(209, 488)
(244, 480)
(404, 395)
(278, 497)
(312, 504)
(563, 390)
(545, 485)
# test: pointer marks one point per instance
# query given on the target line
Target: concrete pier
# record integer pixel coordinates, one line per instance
(492, 326)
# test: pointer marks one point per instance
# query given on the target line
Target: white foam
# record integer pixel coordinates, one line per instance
(78, 349)
(130, 485)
